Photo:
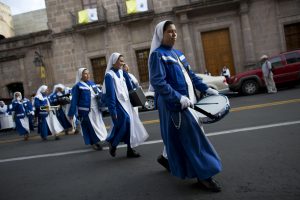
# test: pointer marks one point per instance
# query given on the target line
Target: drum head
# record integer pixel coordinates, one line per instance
(213, 104)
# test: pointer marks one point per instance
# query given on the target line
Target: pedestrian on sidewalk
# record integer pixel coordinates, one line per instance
(268, 74)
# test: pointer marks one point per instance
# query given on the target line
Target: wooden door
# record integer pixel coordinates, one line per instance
(98, 67)
(142, 57)
(217, 51)
(292, 36)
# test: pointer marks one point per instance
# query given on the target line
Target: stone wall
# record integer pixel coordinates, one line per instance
(6, 23)
(255, 28)
(30, 22)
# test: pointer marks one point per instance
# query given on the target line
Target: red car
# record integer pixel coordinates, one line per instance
(285, 67)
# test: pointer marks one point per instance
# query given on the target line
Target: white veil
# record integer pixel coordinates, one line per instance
(58, 86)
(156, 42)
(39, 92)
(79, 74)
(112, 60)
(15, 95)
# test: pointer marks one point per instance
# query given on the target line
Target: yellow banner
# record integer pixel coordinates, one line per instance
(83, 17)
(131, 6)
(43, 72)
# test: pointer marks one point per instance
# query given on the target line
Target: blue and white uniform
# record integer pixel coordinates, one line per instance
(189, 152)
(48, 123)
(61, 113)
(19, 112)
(128, 127)
(29, 112)
(84, 103)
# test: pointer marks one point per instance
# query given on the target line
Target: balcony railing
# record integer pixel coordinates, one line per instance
(124, 16)
(206, 5)
(100, 23)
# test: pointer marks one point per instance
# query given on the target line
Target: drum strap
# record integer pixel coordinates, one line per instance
(187, 70)
(206, 113)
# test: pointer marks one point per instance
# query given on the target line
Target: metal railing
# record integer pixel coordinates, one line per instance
(207, 2)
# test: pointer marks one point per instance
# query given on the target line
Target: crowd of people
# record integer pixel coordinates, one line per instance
(187, 152)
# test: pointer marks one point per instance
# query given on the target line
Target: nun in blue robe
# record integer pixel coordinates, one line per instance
(126, 126)
(48, 123)
(19, 112)
(189, 152)
(54, 98)
(85, 105)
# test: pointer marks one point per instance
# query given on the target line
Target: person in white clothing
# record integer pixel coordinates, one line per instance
(268, 74)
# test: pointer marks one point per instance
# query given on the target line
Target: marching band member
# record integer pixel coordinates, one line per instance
(3, 111)
(127, 126)
(48, 123)
(189, 152)
(85, 94)
(61, 97)
(3, 108)
(19, 112)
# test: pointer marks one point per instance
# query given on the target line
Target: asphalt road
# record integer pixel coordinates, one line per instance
(258, 143)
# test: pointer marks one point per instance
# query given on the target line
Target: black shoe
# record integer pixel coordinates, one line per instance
(97, 147)
(131, 153)
(57, 138)
(164, 162)
(26, 136)
(210, 184)
(112, 150)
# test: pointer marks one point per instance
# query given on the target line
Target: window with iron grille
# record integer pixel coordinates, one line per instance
(98, 67)
(142, 61)
(89, 4)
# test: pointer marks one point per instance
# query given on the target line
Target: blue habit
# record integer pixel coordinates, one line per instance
(121, 129)
(190, 154)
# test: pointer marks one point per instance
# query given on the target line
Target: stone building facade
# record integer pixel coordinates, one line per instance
(30, 22)
(6, 22)
(211, 33)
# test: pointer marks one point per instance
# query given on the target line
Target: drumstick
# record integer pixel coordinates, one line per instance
(204, 103)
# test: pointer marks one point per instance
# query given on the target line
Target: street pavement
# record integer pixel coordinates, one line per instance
(258, 142)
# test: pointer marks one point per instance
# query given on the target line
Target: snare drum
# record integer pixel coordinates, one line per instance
(216, 105)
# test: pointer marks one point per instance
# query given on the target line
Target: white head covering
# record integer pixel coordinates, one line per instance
(112, 60)
(39, 92)
(58, 86)
(79, 74)
(156, 42)
(20, 94)
(264, 57)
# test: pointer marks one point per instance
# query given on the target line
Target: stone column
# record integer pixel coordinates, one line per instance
(247, 34)
(187, 42)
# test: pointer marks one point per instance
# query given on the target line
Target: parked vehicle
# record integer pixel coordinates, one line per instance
(285, 68)
(216, 82)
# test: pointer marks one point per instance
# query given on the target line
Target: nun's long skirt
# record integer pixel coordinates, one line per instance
(93, 127)
(190, 154)
(121, 128)
(49, 125)
(22, 126)
(60, 114)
